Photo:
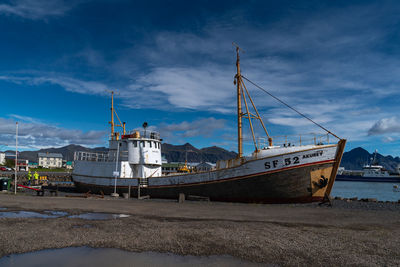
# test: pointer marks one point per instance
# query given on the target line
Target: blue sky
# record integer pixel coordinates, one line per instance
(173, 64)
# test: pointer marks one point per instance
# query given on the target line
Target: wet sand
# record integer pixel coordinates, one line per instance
(349, 233)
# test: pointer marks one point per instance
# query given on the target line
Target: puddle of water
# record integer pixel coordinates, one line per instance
(25, 214)
(84, 256)
(98, 216)
(57, 213)
(1, 208)
(83, 226)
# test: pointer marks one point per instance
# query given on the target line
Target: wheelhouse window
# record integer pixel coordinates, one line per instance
(134, 143)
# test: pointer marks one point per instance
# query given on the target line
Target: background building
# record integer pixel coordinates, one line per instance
(168, 168)
(2, 158)
(22, 165)
(205, 166)
(50, 160)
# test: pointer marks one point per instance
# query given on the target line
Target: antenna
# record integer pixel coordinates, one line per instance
(145, 124)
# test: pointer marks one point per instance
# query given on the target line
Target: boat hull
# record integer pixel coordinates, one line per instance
(292, 185)
(299, 176)
(356, 178)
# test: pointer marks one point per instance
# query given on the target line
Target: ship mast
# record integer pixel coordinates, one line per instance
(115, 135)
(241, 96)
(239, 104)
(112, 115)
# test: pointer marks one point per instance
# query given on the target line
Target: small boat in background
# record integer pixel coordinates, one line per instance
(372, 172)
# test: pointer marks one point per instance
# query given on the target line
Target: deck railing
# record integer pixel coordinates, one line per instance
(296, 140)
(90, 156)
(144, 134)
(101, 156)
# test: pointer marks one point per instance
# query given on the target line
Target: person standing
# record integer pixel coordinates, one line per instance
(36, 176)
(29, 177)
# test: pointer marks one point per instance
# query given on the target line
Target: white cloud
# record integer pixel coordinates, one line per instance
(200, 89)
(35, 134)
(326, 65)
(388, 139)
(204, 127)
(67, 83)
(36, 9)
(385, 126)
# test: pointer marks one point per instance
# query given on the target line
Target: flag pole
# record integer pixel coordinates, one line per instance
(16, 158)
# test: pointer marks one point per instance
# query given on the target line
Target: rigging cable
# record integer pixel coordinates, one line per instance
(298, 112)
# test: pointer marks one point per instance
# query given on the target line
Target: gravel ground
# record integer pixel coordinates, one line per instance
(349, 233)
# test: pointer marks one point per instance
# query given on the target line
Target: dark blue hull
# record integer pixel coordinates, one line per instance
(356, 178)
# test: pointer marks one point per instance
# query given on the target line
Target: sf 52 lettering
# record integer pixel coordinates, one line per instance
(286, 162)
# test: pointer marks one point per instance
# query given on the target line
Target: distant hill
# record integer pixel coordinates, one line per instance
(177, 153)
(173, 153)
(357, 157)
(352, 160)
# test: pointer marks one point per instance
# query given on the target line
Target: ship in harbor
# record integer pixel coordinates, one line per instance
(278, 171)
(372, 172)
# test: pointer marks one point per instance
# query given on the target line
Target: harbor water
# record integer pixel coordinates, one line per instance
(380, 191)
(99, 257)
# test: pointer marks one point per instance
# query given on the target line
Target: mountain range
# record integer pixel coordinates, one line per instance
(180, 153)
(352, 160)
(356, 158)
(172, 153)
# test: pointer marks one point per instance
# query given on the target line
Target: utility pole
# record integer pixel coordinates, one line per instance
(16, 158)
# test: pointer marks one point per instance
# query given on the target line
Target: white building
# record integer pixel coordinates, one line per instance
(205, 166)
(2, 158)
(50, 160)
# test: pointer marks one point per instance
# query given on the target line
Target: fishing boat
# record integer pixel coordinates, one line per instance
(276, 172)
(372, 172)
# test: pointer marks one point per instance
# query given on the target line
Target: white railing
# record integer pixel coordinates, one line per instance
(101, 156)
(296, 140)
(90, 156)
(145, 134)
